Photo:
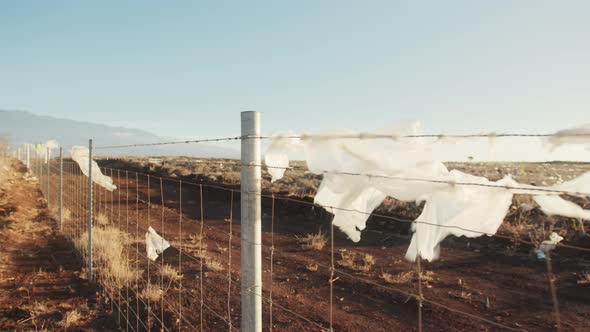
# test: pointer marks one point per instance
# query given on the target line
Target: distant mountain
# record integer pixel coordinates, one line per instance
(25, 127)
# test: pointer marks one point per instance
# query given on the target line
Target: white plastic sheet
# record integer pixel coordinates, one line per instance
(154, 244)
(548, 245)
(42, 149)
(398, 169)
(80, 156)
(575, 135)
(555, 205)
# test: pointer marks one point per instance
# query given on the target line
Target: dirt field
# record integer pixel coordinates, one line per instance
(42, 286)
(477, 283)
(497, 280)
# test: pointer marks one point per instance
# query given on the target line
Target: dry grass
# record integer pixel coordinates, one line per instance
(36, 311)
(102, 219)
(151, 292)
(70, 318)
(312, 267)
(168, 272)
(112, 265)
(214, 265)
(463, 295)
(427, 278)
(400, 278)
(356, 261)
(584, 279)
(314, 241)
(196, 242)
(65, 213)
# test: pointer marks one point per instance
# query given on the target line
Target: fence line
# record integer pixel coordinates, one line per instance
(360, 136)
(75, 195)
(389, 217)
(418, 297)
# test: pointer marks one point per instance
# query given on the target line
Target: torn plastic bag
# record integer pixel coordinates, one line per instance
(576, 135)
(555, 205)
(80, 156)
(548, 245)
(154, 244)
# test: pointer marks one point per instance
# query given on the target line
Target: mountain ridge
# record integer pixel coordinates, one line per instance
(27, 127)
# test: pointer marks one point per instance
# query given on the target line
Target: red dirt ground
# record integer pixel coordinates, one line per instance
(475, 285)
(42, 287)
(494, 280)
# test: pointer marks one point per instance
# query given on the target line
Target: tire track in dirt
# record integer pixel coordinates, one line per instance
(42, 284)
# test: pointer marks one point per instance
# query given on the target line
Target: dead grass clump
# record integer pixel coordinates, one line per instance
(66, 214)
(356, 261)
(400, 278)
(427, 278)
(168, 272)
(102, 219)
(584, 279)
(151, 292)
(112, 265)
(312, 267)
(70, 318)
(38, 315)
(314, 241)
(196, 242)
(214, 265)
(463, 295)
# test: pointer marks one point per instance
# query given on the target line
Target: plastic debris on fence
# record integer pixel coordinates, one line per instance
(555, 205)
(80, 156)
(154, 244)
(576, 135)
(405, 170)
(548, 245)
(41, 149)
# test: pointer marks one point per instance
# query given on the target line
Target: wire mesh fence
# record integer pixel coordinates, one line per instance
(313, 277)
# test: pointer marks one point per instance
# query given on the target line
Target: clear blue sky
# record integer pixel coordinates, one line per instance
(187, 68)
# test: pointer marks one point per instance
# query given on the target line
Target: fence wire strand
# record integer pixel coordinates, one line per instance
(103, 207)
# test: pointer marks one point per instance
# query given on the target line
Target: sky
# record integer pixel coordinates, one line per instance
(188, 68)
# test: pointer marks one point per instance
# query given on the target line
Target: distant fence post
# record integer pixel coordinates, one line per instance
(251, 255)
(28, 156)
(48, 157)
(39, 168)
(90, 210)
(61, 187)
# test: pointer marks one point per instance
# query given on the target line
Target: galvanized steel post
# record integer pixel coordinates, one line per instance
(90, 210)
(48, 157)
(251, 255)
(61, 187)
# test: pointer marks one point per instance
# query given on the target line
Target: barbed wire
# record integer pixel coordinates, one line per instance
(206, 140)
(483, 319)
(389, 217)
(413, 179)
(360, 136)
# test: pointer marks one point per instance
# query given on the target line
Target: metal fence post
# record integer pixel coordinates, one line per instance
(251, 255)
(61, 187)
(48, 177)
(39, 166)
(28, 157)
(90, 210)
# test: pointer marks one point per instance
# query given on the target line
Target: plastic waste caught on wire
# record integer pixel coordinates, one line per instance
(575, 135)
(450, 208)
(80, 156)
(555, 205)
(548, 245)
(154, 244)
(41, 149)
